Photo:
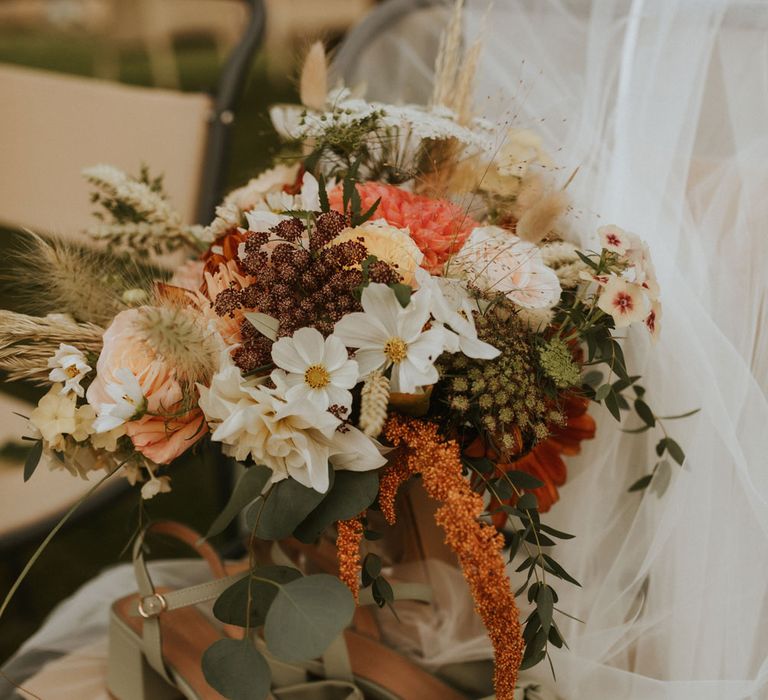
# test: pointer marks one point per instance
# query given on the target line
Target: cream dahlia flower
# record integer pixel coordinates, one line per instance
(294, 440)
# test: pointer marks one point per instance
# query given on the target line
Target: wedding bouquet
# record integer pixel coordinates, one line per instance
(395, 299)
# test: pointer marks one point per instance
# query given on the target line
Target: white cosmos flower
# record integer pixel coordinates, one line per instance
(318, 369)
(294, 440)
(625, 301)
(388, 335)
(68, 366)
(453, 307)
(129, 402)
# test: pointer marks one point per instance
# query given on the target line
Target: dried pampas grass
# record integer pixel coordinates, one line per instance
(28, 342)
(313, 84)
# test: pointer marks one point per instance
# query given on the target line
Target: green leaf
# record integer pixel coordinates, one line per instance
(639, 390)
(231, 607)
(527, 502)
(524, 480)
(351, 494)
(306, 616)
(681, 415)
(641, 483)
(636, 431)
(556, 533)
(661, 446)
(602, 392)
(402, 292)
(247, 490)
(502, 488)
(277, 514)
(593, 378)
(645, 413)
(33, 459)
(545, 604)
(675, 451)
(553, 567)
(662, 476)
(266, 325)
(612, 404)
(236, 670)
(371, 569)
(382, 592)
(479, 464)
(325, 205)
(587, 261)
(369, 212)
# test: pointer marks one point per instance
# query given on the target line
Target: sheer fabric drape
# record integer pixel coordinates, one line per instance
(662, 105)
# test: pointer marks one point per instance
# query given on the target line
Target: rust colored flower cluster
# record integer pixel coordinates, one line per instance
(392, 478)
(299, 280)
(478, 546)
(348, 539)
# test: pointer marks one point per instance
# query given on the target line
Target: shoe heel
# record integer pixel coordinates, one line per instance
(129, 676)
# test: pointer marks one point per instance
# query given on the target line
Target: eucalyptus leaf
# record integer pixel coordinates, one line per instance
(524, 480)
(351, 494)
(675, 451)
(612, 404)
(247, 490)
(644, 411)
(662, 477)
(602, 392)
(288, 502)
(33, 459)
(306, 616)
(236, 670)
(251, 594)
(641, 483)
(545, 604)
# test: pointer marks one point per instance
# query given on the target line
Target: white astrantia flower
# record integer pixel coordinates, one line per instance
(317, 369)
(387, 335)
(453, 307)
(293, 439)
(68, 366)
(55, 416)
(129, 402)
(496, 260)
(625, 301)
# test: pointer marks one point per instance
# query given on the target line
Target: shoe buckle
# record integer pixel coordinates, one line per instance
(152, 606)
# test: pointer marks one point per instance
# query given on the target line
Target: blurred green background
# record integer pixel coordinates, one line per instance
(79, 552)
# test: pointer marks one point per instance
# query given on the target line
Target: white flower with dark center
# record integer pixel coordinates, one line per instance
(129, 402)
(453, 307)
(68, 366)
(318, 369)
(388, 335)
(625, 301)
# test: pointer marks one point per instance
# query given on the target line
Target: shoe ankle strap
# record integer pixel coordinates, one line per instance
(151, 604)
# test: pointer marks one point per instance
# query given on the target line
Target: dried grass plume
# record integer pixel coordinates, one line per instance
(313, 84)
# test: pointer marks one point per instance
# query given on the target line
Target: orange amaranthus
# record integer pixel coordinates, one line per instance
(421, 450)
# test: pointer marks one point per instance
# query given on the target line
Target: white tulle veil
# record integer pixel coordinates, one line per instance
(663, 107)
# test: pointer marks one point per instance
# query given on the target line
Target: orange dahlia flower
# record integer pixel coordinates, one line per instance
(438, 227)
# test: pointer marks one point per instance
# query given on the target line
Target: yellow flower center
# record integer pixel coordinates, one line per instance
(72, 371)
(317, 376)
(396, 350)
